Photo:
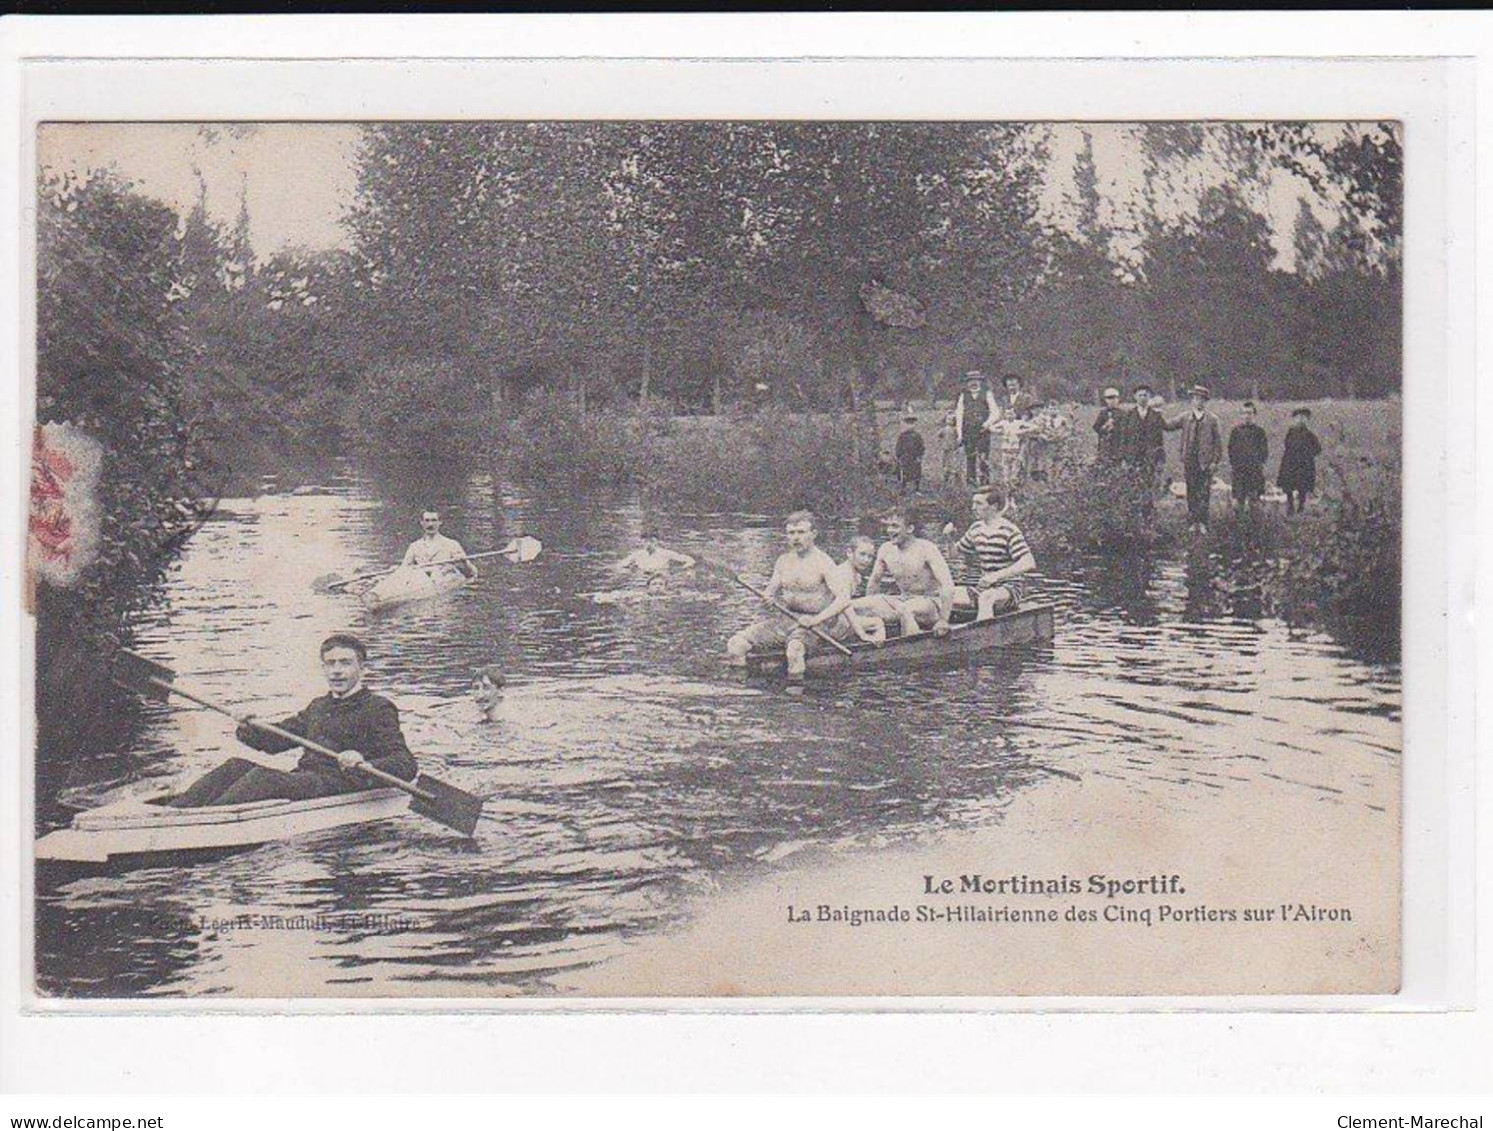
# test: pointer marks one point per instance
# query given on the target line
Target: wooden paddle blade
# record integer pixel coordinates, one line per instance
(715, 569)
(525, 549)
(141, 674)
(447, 805)
(328, 583)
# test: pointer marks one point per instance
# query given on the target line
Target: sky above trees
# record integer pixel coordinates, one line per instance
(297, 181)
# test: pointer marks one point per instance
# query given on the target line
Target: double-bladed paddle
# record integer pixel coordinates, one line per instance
(722, 571)
(430, 797)
(524, 549)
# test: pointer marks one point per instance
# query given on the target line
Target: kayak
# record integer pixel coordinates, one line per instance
(405, 585)
(148, 830)
(1024, 625)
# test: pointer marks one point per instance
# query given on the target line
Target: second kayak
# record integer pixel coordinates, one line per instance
(408, 584)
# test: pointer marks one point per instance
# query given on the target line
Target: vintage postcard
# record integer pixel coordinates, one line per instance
(749, 558)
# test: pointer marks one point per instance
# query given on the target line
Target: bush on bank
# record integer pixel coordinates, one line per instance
(762, 461)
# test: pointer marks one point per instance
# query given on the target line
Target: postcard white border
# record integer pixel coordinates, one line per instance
(1433, 98)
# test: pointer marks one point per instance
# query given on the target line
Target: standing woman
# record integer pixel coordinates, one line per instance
(1298, 463)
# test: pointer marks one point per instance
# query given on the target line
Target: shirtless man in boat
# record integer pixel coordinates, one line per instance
(867, 616)
(363, 726)
(654, 562)
(859, 558)
(433, 548)
(807, 581)
(925, 584)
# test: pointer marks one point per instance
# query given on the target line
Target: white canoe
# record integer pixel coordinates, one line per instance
(414, 584)
(147, 827)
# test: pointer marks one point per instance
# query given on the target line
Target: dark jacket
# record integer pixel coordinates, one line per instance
(1298, 463)
(1203, 430)
(1112, 438)
(1248, 447)
(909, 449)
(1145, 438)
(362, 721)
(971, 411)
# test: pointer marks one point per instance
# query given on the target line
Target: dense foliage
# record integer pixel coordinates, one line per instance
(720, 266)
(111, 357)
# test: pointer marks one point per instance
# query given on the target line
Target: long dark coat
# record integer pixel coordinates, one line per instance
(1248, 447)
(1298, 463)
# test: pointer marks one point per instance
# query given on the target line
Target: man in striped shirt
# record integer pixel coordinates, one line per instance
(995, 556)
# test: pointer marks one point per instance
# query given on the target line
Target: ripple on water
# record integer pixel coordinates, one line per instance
(629, 773)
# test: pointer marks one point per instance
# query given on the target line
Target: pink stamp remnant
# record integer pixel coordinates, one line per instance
(62, 530)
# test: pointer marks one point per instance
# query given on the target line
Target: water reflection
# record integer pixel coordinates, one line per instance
(629, 771)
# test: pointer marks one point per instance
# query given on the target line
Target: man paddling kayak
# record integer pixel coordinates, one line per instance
(433, 548)
(809, 584)
(362, 726)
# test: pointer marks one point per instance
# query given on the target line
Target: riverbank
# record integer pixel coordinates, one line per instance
(1341, 560)
(1325, 872)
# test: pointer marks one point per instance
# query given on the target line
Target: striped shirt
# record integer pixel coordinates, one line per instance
(989, 546)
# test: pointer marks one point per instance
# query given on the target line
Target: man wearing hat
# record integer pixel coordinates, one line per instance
(1145, 438)
(975, 414)
(1109, 426)
(1298, 463)
(1202, 448)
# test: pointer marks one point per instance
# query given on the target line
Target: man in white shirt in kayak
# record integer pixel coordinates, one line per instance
(433, 548)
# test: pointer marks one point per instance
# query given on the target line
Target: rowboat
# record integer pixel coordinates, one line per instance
(149, 831)
(405, 585)
(1025, 625)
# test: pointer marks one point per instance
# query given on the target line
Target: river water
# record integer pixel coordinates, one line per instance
(632, 775)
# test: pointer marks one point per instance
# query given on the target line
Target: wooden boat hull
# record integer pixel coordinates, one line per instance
(144, 829)
(404, 586)
(1025, 625)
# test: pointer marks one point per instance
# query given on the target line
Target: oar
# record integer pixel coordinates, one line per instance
(430, 797)
(520, 550)
(712, 567)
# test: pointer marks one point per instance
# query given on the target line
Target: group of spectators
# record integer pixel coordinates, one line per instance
(1009, 436)
(1004, 437)
(1134, 436)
